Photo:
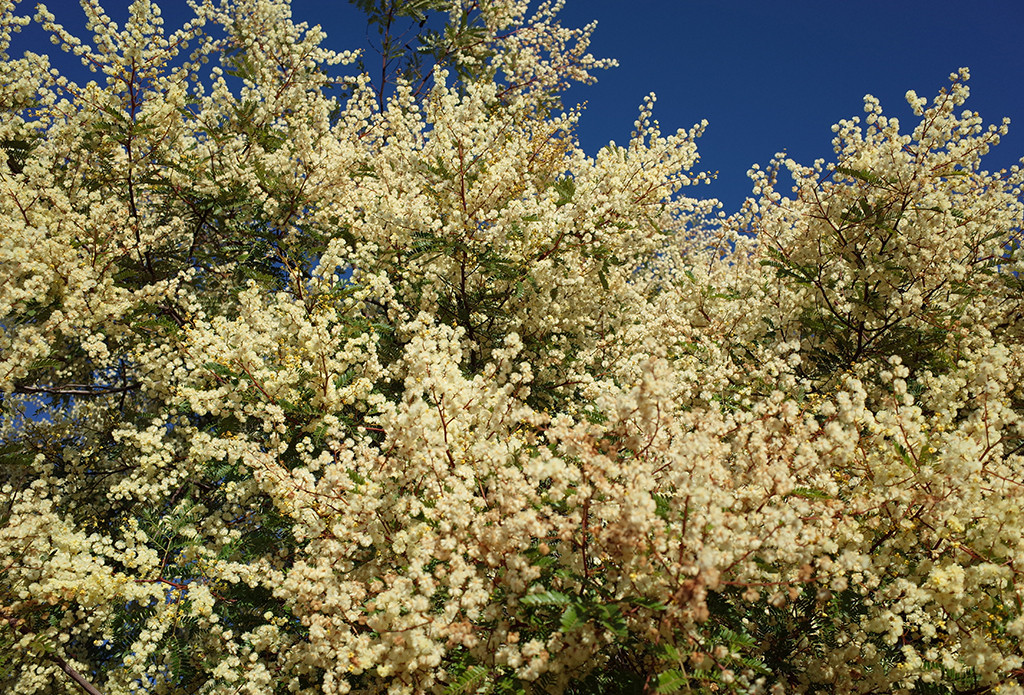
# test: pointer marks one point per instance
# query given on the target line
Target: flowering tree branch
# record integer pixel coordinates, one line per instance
(77, 389)
(437, 401)
(75, 675)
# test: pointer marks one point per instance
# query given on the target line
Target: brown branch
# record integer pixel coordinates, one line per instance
(76, 390)
(75, 675)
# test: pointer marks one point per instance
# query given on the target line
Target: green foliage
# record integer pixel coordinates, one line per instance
(469, 682)
(17, 151)
(435, 40)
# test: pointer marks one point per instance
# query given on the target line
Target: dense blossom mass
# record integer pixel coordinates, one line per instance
(314, 382)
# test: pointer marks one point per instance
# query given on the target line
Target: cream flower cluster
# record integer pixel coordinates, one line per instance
(316, 395)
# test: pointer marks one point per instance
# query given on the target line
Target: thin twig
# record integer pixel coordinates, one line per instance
(76, 390)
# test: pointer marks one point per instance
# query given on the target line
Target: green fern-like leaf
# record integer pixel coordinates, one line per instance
(546, 598)
(671, 681)
(469, 682)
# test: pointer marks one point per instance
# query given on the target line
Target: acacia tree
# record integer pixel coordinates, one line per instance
(317, 384)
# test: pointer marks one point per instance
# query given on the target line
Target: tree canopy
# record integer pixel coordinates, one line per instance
(324, 378)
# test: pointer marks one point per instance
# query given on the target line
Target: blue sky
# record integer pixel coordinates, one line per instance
(775, 75)
(768, 75)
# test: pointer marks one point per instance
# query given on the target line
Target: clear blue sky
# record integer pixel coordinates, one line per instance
(769, 75)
